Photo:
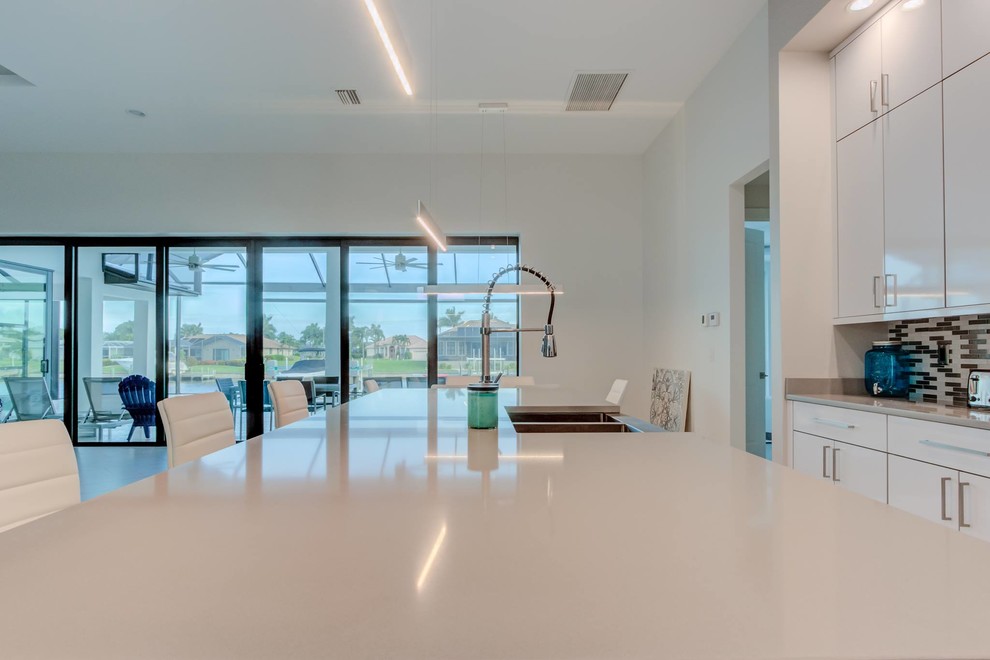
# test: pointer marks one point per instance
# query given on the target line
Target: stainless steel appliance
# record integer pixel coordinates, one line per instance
(979, 388)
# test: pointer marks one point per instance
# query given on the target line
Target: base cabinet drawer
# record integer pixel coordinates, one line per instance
(923, 489)
(956, 447)
(852, 426)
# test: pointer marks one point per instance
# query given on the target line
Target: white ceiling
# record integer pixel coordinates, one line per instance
(256, 76)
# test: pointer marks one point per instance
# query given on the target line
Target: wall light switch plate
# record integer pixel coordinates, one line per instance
(704, 320)
(713, 319)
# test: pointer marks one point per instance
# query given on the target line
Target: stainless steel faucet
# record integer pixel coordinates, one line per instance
(549, 341)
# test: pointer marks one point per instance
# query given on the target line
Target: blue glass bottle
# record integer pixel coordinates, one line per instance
(886, 370)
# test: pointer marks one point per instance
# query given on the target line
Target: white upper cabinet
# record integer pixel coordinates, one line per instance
(911, 46)
(857, 82)
(965, 33)
(967, 185)
(914, 220)
(859, 235)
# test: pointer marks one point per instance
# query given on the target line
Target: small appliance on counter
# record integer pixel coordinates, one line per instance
(979, 389)
(886, 370)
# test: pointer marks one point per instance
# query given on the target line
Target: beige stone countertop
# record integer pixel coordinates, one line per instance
(384, 529)
(932, 412)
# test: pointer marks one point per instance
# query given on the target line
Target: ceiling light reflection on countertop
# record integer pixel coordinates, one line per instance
(428, 566)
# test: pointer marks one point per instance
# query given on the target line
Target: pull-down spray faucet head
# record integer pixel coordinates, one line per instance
(549, 349)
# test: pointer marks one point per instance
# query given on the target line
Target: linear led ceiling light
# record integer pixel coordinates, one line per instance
(431, 228)
(387, 42)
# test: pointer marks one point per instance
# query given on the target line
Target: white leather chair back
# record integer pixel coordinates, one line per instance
(618, 389)
(196, 425)
(371, 386)
(38, 471)
(289, 402)
(517, 381)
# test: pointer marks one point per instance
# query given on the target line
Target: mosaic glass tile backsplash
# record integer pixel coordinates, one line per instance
(963, 341)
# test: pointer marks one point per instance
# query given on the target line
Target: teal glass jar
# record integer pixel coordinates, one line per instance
(483, 405)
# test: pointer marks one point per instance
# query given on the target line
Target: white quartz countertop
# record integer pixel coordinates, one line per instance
(932, 412)
(384, 529)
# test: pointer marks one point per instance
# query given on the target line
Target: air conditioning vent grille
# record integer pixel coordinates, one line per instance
(349, 96)
(595, 91)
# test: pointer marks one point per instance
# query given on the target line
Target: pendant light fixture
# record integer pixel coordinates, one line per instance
(426, 222)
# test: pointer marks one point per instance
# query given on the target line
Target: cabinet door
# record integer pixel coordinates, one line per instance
(967, 185)
(813, 455)
(974, 493)
(860, 470)
(923, 489)
(965, 33)
(914, 217)
(857, 83)
(912, 55)
(859, 235)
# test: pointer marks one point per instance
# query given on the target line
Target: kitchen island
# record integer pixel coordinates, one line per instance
(382, 528)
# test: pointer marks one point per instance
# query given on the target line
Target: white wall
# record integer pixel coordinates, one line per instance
(692, 248)
(579, 218)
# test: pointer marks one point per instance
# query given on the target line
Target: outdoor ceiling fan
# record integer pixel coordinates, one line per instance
(401, 263)
(194, 262)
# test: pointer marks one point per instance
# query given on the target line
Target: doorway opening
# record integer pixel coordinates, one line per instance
(757, 285)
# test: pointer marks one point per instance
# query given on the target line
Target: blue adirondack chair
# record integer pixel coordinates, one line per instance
(138, 395)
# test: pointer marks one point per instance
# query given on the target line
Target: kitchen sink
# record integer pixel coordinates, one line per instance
(575, 421)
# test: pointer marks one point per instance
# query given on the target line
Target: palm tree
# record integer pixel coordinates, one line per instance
(402, 342)
(451, 317)
(373, 335)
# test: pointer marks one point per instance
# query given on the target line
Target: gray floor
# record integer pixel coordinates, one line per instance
(103, 469)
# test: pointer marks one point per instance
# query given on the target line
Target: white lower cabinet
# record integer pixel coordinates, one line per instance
(958, 500)
(853, 468)
(938, 471)
(974, 517)
(860, 470)
(923, 489)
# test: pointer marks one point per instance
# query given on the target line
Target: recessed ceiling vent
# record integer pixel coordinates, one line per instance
(10, 79)
(349, 96)
(595, 91)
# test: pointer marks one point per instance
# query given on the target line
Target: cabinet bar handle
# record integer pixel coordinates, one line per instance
(945, 480)
(825, 449)
(887, 288)
(835, 468)
(873, 96)
(885, 90)
(876, 285)
(832, 422)
(962, 513)
(964, 450)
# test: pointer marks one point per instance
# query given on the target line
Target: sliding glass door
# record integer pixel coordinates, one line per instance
(31, 311)
(116, 356)
(388, 330)
(206, 332)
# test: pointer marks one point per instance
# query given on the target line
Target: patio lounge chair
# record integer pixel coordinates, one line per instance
(105, 404)
(30, 398)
